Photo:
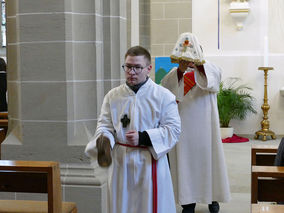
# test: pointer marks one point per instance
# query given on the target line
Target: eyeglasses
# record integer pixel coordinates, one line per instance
(137, 69)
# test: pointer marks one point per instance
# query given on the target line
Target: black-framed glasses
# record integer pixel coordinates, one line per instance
(137, 69)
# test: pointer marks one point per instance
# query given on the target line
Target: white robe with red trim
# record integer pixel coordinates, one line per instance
(152, 109)
(201, 169)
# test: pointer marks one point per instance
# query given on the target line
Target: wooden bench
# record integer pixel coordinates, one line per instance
(2, 138)
(267, 184)
(4, 120)
(33, 177)
(2, 135)
(263, 155)
(262, 208)
(3, 127)
(267, 180)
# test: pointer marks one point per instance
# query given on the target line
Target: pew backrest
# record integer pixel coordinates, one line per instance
(33, 176)
(267, 184)
(263, 155)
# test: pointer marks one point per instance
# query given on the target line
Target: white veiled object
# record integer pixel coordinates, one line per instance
(187, 48)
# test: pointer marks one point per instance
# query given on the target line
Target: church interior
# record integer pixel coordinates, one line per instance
(63, 56)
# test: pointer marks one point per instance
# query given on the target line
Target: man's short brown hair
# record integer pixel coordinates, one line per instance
(138, 51)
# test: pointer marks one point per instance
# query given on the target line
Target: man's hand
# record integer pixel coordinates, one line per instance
(132, 137)
(183, 65)
(200, 68)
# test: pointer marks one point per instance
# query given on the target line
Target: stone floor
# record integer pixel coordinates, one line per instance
(238, 163)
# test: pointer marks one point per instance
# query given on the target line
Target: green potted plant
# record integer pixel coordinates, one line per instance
(234, 102)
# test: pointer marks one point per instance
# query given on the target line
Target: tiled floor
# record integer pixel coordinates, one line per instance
(238, 163)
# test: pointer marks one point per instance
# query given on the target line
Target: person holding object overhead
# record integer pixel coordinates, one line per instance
(138, 125)
(201, 169)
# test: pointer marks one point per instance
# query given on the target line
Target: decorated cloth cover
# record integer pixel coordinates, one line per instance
(187, 48)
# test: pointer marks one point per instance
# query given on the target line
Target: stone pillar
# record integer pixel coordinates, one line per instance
(63, 56)
(145, 23)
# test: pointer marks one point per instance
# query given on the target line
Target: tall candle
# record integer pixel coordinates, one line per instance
(265, 32)
(265, 52)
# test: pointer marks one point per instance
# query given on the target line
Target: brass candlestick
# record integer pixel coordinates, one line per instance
(265, 107)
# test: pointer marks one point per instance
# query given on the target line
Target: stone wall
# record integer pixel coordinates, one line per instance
(168, 20)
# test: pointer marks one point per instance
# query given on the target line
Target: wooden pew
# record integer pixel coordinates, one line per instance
(3, 127)
(2, 135)
(3, 115)
(2, 138)
(261, 208)
(33, 177)
(263, 155)
(267, 180)
(267, 184)
(4, 120)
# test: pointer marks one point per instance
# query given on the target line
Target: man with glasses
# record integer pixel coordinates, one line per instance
(138, 125)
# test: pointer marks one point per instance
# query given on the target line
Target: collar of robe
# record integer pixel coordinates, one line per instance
(136, 87)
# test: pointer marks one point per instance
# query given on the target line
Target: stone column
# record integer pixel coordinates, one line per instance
(145, 23)
(63, 56)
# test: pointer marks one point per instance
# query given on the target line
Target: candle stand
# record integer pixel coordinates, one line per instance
(264, 132)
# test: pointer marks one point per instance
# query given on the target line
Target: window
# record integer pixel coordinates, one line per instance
(3, 23)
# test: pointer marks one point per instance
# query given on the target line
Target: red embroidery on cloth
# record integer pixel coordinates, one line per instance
(189, 81)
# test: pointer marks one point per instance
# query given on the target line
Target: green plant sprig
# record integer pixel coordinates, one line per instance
(234, 101)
